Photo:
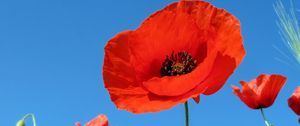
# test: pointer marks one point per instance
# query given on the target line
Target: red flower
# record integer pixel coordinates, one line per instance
(261, 92)
(184, 50)
(294, 101)
(100, 120)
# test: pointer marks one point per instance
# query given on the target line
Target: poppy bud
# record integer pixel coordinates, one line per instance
(21, 123)
(260, 92)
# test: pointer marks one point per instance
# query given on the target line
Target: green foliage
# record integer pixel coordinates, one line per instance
(289, 28)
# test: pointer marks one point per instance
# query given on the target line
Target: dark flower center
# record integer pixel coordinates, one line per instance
(178, 64)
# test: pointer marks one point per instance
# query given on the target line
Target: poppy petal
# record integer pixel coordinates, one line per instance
(117, 62)
(220, 23)
(294, 101)
(213, 78)
(118, 73)
(259, 83)
(271, 89)
(218, 75)
(146, 102)
(197, 99)
(248, 96)
(100, 120)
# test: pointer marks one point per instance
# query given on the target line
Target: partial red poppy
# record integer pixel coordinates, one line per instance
(260, 92)
(100, 120)
(178, 53)
(294, 101)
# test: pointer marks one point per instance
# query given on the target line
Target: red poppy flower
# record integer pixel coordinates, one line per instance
(186, 49)
(260, 92)
(294, 101)
(100, 120)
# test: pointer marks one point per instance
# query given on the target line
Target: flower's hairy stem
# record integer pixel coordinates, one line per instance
(186, 106)
(264, 117)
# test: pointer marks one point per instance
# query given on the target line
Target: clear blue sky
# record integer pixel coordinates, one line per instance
(51, 55)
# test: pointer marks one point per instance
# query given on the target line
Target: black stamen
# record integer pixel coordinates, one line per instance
(178, 64)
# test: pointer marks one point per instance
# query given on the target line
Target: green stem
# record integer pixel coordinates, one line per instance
(264, 117)
(32, 116)
(186, 106)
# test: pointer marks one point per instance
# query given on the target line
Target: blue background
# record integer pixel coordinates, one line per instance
(51, 56)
